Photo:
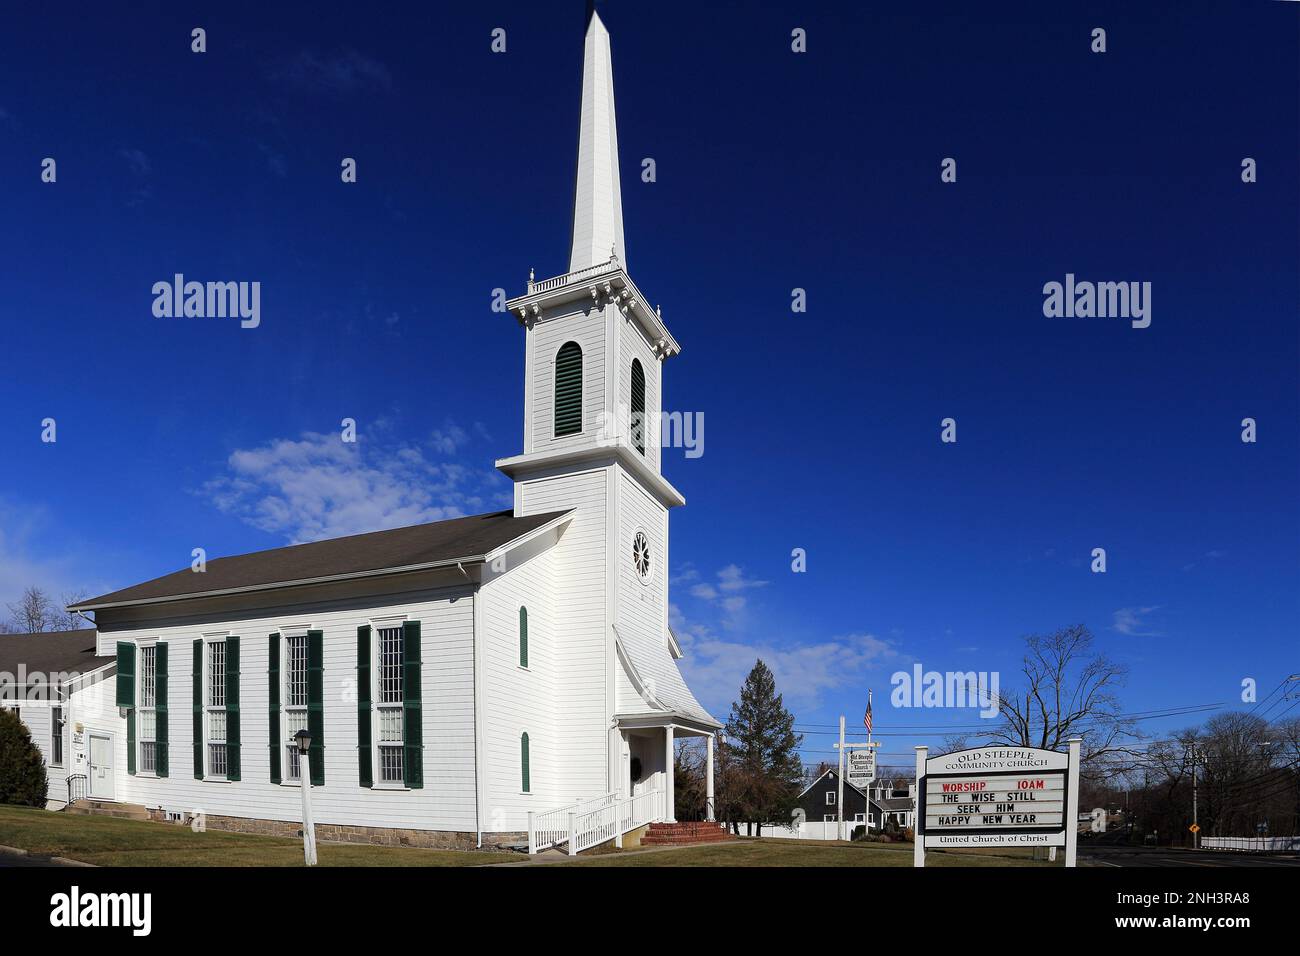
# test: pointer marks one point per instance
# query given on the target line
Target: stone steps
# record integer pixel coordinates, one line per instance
(107, 808)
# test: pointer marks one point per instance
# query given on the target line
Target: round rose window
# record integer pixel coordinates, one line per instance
(641, 555)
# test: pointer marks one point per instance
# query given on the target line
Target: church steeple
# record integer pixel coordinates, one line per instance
(595, 345)
(598, 200)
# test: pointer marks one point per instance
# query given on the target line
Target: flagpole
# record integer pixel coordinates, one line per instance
(866, 820)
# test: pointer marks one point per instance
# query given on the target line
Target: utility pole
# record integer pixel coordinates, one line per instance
(1196, 756)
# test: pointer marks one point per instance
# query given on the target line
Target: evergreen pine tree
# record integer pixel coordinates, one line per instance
(765, 750)
(22, 771)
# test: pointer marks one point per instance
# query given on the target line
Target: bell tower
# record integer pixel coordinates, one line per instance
(595, 349)
(594, 354)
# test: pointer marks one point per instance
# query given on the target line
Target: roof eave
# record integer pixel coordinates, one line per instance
(617, 450)
(273, 585)
(530, 304)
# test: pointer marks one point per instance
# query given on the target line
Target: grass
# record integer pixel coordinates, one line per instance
(110, 841)
(779, 852)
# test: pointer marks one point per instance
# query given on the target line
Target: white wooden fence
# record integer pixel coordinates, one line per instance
(1252, 844)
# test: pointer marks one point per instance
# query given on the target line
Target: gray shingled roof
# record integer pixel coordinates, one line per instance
(441, 542)
(50, 652)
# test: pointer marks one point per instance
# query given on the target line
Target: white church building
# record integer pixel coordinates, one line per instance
(484, 680)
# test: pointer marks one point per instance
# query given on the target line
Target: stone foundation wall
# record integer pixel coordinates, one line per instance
(340, 833)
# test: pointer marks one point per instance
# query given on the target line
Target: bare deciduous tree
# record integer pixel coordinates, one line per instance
(36, 612)
(32, 612)
(1069, 690)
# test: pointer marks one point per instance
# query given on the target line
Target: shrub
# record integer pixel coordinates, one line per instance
(22, 771)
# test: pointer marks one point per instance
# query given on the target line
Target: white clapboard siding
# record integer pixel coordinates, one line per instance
(545, 339)
(447, 799)
(579, 630)
(634, 345)
(517, 699)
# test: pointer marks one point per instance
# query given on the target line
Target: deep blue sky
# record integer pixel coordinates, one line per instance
(775, 171)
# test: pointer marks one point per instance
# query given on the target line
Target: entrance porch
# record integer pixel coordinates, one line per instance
(644, 749)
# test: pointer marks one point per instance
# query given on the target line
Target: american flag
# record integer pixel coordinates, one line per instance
(866, 718)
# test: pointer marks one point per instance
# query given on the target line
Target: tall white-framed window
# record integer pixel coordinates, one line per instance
(146, 716)
(56, 736)
(388, 704)
(295, 701)
(215, 708)
(830, 798)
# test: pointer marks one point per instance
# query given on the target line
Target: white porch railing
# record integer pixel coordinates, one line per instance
(592, 822)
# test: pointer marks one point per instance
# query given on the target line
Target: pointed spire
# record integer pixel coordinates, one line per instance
(598, 200)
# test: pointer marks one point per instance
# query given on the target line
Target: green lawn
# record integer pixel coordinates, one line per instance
(777, 852)
(109, 841)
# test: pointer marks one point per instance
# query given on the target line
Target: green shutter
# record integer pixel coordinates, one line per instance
(232, 708)
(365, 748)
(130, 741)
(197, 699)
(568, 390)
(523, 637)
(316, 704)
(125, 674)
(273, 709)
(638, 406)
(160, 710)
(525, 780)
(412, 713)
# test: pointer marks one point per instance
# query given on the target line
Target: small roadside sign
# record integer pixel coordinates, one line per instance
(862, 767)
(1195, 828)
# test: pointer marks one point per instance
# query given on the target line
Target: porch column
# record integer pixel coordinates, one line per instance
(708, 778)
(670, 804)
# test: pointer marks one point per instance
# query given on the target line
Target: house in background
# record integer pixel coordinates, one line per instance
(62, 691)
(897, 801)
(467, 682)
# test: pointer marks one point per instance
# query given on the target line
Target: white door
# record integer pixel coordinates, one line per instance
(101, 767)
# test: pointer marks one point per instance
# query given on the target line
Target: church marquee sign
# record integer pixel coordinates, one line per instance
(997, 796)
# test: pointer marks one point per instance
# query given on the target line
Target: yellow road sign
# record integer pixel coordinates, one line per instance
(1195, 828)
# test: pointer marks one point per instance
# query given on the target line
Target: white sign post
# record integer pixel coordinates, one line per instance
(998, 796)
(862, 769)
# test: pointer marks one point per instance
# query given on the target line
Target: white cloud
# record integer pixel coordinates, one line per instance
(318, 486)
(137, 160)
(345, 72)
(726, 593)
(449, 439)
(716, 668)
(1132, 621)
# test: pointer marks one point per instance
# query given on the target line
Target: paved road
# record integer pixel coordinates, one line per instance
(1093, 855)
(23, 859)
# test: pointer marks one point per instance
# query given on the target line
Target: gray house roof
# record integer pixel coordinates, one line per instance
(50, 652)
(419, 546)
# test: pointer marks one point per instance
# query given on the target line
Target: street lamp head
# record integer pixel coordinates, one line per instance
(303, 739)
